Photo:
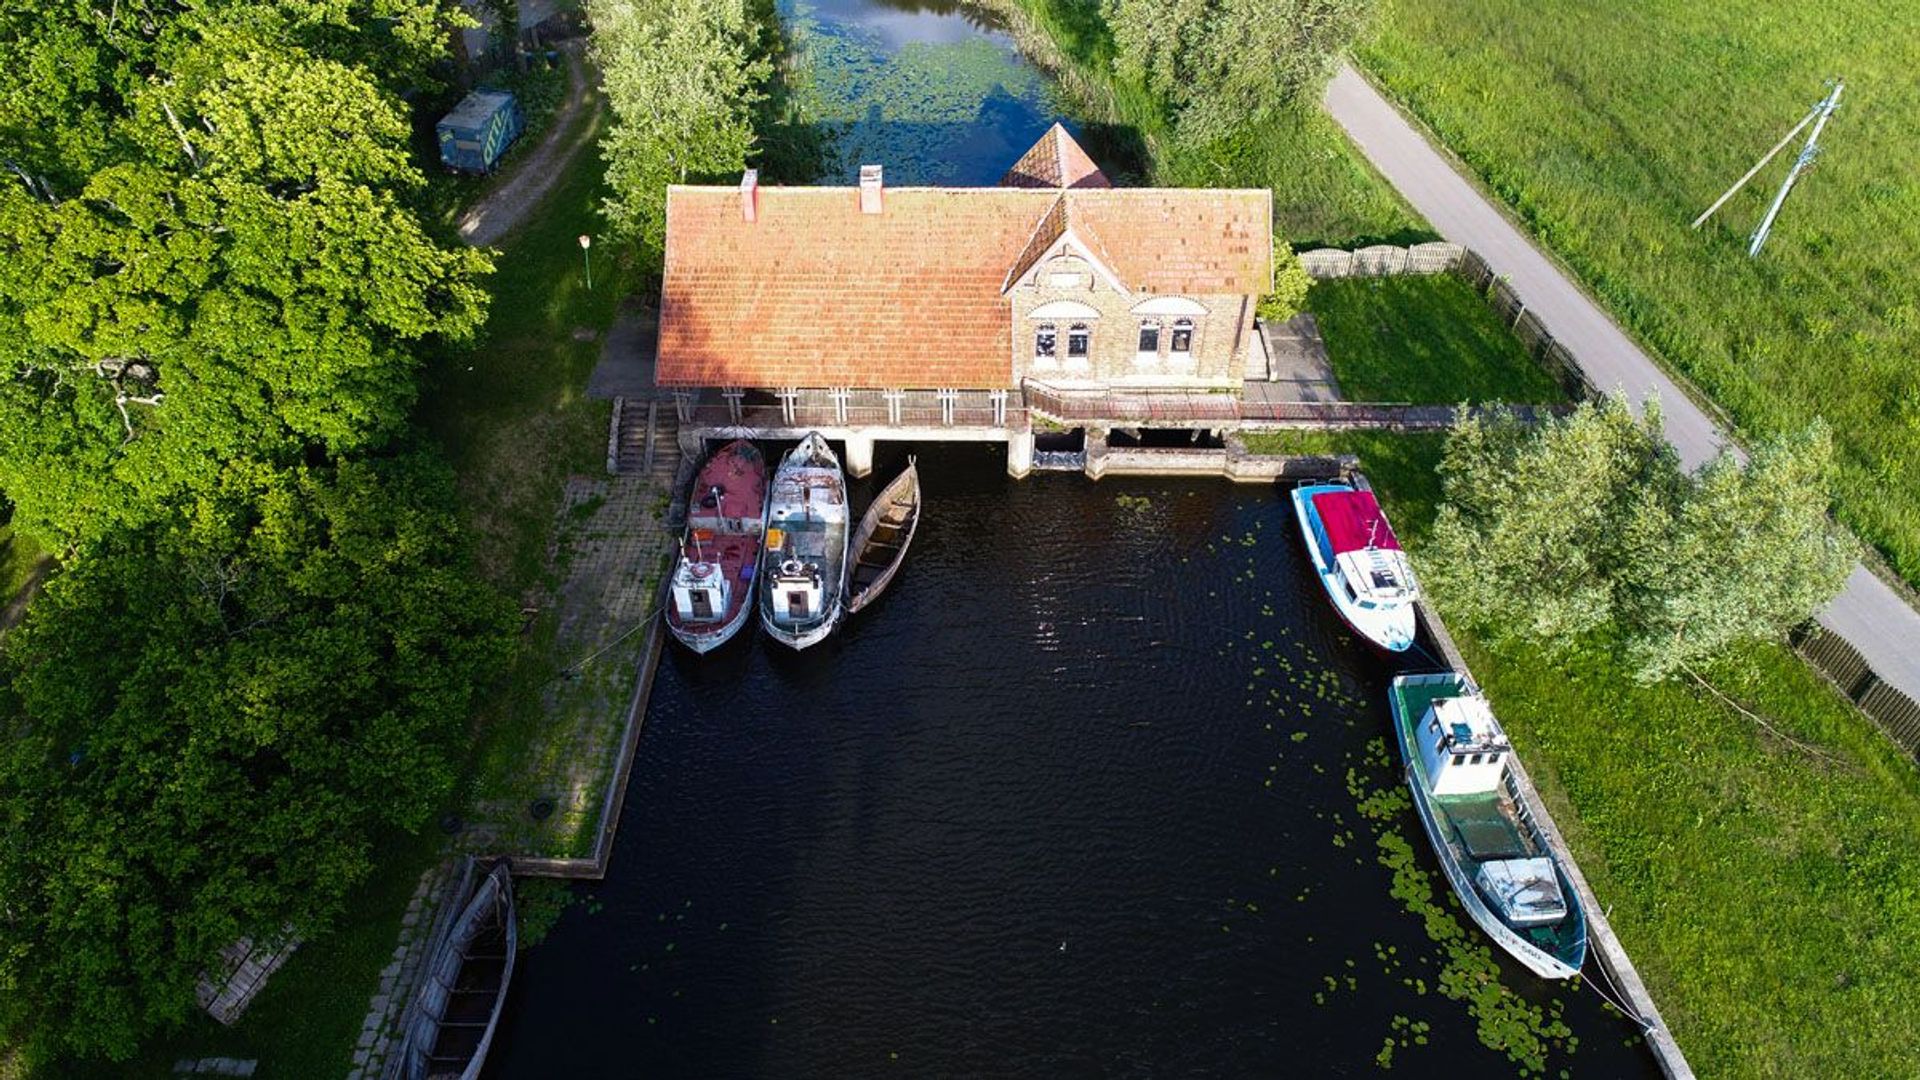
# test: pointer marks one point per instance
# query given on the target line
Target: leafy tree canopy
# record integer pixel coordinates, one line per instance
(205, 251)
(684, 79)
(1551, 533)
(1223, 63)
(203, 726)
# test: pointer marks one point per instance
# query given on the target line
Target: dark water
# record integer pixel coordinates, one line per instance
(1070, 800)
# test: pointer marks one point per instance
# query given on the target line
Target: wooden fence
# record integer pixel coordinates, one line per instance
(1897, 714)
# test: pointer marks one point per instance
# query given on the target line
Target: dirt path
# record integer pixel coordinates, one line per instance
(16, 608)
(535, 173)
(1869, 614)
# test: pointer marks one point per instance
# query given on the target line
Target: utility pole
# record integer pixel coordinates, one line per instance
(1819, 112)
(1807, 154)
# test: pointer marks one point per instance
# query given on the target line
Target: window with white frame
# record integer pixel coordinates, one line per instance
(1078, 338)
(1182, 344)
(1149, 337)
(1043, 341)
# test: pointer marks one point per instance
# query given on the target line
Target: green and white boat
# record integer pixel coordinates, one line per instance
(1499, 862)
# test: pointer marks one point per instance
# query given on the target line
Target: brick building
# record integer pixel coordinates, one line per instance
(880, 299)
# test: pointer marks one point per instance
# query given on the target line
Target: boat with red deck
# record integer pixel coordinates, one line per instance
(712, 591)
(1359, 561)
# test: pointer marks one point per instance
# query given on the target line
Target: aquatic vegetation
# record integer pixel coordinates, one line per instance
(1528, 1034)
(539, 903)
(921, 108)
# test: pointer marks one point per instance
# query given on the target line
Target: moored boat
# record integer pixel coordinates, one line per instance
(464, 983)
(803, 576)
(712, 589)
(1494, 854)
(1359, 562)
(880, 543)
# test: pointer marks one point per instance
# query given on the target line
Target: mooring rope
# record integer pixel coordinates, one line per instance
(1617, 1000)
(574, 668)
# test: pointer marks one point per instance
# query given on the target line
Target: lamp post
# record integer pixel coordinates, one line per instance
(586, 253)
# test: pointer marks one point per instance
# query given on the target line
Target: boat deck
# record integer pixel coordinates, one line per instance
(1486, 825)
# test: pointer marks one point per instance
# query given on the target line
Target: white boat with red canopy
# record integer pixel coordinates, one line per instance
(1359, 561)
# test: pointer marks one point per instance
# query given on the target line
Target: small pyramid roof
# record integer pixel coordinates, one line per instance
(1056, 161)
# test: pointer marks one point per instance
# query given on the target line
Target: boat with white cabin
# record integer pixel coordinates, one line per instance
(803, 574)
(1496, 857)
(712, 589)
(1359, 561)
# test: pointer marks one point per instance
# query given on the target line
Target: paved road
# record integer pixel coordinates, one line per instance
(1868, 613)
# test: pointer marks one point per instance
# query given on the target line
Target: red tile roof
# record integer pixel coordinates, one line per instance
(1056, 161)
(816, 293)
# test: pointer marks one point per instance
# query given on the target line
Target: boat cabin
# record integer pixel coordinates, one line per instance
(1462, 749)
(700, 590)
(798, 590)
(1525, 891)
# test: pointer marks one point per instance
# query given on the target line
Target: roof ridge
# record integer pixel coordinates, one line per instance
(1035, 247)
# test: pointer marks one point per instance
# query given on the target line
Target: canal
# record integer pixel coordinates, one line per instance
(1082, 795)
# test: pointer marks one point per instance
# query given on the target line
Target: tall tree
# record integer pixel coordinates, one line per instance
(203, 728)
(684, 79)
(1749, 552)
(219, 263)
(1529, 542)
(1223, 63)
(1587, 523)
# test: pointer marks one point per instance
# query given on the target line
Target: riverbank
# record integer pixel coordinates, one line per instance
(1751, 878)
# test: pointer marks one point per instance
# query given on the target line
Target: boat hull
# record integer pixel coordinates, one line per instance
(1391, 629)
(704, 640)
(896, 512)
(1545, 964)
(440, 1041)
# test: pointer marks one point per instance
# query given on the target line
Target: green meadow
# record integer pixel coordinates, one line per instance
(1607, 128)
(1762, 881)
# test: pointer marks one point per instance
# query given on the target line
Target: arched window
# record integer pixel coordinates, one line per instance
(1182, 336)
(1077, 339)
(1149, 337)
(1043, 340)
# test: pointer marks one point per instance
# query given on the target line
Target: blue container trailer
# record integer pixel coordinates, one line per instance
(478, 131)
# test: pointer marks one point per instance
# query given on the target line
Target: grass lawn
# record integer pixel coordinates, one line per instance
(1324, 192)
(1767, 895)
(1425, 339)
(1608, 128)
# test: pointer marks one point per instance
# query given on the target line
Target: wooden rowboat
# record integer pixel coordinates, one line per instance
(464, 984)
(880, 544)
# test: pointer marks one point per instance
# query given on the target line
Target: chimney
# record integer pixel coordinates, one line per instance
(750, 195)
(870, 189)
